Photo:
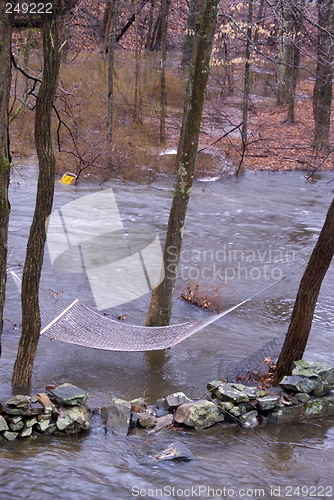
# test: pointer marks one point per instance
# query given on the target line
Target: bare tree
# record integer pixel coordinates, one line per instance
(302, 314)
(322, 93)
(292, 15)
(162, 296)
(111, 58)
(5, 79)
(163, 72)
(31, 321)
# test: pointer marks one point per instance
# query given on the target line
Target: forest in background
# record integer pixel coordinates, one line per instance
(259, 112)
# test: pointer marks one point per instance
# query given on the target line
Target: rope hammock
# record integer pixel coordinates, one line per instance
(71, 321)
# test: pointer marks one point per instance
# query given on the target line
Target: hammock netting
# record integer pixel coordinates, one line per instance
(72, 322)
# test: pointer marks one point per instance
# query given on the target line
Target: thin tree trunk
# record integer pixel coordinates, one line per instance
(162, 296)
(302, 314)
(65, 37)
(289, 56)
(27, 47)
(150, 26)
(5, 80)
(245, 102)
(322, 93)
(137, 66)
(31, 321)
(163, 72)
(190, 33)
(111, 54)
(199, 17)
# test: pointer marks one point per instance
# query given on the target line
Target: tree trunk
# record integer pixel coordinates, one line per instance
(111, 56)
(5, 80)
(245, 101)
(137, 67)
(322, 93)
(65, 36)
(302, 314)
(198, 23)
(31, 321)
(289, 55)
(150, 26)
(162, 296)
(163, 72)
(190, 33)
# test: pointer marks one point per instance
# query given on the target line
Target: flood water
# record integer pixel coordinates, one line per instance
(241, 233)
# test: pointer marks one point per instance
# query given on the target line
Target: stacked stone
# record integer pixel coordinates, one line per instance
(305, 394)
(62, 409)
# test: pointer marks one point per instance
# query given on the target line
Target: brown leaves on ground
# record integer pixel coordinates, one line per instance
(275, 144)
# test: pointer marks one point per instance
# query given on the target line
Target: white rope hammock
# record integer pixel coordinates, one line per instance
(71, 321)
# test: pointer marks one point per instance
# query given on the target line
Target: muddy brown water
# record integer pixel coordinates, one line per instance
(249, 232)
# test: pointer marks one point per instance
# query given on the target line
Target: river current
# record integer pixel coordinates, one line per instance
(242, 233)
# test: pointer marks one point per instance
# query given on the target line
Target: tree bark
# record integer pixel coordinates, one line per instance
(322, 92)
(289, 55)
(190, 33)
(5, 80)
(244, 131)
(31, 321)
(302, 314)
(163, 72)
(111, 57)
(162, 296)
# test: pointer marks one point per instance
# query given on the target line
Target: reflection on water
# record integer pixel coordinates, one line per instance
(254, 215)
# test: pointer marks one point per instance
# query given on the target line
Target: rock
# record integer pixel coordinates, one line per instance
(302, 397)
(145, 419)
(226, 405)
(295, 383)
(213, 384)
(286, 414)
(15, 423)
(52, 428)
(160, 408)
(321, 374)
(117, 416)
(164, 421)
(225, 392)
(175, 451)
(173, 401)
(251, 392)
(34, 408)
(317, 407)
(10, 436)
(19, 401)
(3, 424)
(138, 405)
(43, 425)
(267, 403)
(31, 421)
(68, 394)
(249, 420)
(26, 432)
(199, 415)
(46, 403)
(74, 419)
(237, 411)
(134, 420)
(260, 393)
